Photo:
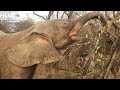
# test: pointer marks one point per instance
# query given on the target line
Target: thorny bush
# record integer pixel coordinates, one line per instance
(97, 54)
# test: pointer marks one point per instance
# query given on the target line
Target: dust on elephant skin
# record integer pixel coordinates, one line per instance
(52, 71)
(11, 71)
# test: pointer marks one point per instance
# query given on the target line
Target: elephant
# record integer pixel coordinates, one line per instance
(23, 53)
(2, 33)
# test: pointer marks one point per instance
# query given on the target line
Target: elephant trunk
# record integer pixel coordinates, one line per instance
(79, 22)
(85, 18)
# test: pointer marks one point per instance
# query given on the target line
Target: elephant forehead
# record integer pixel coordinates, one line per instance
(61, 23)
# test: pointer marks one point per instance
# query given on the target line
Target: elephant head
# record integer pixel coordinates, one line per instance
(41, 43)
(64, 32)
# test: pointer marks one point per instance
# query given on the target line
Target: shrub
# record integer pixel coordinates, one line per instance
(3, 26)
(23, 25)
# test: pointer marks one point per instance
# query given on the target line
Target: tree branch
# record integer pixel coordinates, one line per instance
(69, 14)
(63, 14)
(107, 66)
(57, 14)
(50, 14)
(39, 15)
(108, 17)
(114, 14)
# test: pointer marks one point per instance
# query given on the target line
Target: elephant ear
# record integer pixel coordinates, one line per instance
(34, 49)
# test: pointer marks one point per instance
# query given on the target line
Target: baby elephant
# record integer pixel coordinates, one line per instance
(22, 53)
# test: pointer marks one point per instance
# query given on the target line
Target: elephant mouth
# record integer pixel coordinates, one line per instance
(72, 39)
(75, 38)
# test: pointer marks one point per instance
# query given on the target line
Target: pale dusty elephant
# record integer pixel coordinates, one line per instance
(2, 33)
(23, 52)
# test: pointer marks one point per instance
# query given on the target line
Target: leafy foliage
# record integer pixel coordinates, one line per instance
(102, 60)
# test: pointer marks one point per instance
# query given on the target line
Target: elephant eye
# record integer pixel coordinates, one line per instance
(68, 26)
(71, 25)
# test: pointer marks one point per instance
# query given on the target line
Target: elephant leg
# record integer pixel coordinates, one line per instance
(52, 72)
(48, 71)
(41, 72)
(11, 71)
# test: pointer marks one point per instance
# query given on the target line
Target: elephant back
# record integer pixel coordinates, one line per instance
(2, 33)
